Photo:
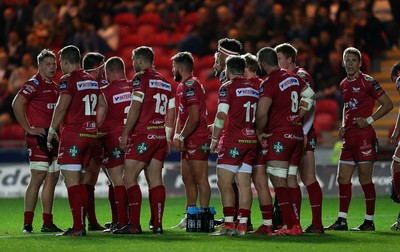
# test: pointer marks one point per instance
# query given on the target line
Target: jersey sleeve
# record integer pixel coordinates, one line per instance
(28, 90)
(223, 95)
(139, 83)
(192, 93)
(374, 88)
(66, 86)
(266, 90)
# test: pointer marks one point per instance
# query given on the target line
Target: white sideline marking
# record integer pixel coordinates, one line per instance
(25, 235)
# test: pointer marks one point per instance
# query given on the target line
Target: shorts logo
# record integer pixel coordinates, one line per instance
(142, 148)
(312, 143)
(205, 148)
(278, 147)
(117, 153)
(73, 151)
(234, 152)
(367, 153)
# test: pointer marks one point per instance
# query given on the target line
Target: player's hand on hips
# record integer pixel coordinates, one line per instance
(36, 131)
(360, 122)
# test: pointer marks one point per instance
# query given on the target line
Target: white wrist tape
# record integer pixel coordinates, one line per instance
(168, 133)
(138, 96)
(171, 103)
(308, 103)
(370, 120)
(52, 131)
(180, 138)
(219, 123)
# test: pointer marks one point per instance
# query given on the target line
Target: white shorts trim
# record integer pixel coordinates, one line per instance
(71, 167)
(347, 162)
(245, 168)
(39, 166)
(396, 158)
(54, 167)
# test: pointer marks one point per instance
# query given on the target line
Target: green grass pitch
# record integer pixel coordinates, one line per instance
(383, 239)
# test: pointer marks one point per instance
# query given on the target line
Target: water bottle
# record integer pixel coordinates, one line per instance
(200, 217)
(207, 219)
(192, 216)
(211, 219)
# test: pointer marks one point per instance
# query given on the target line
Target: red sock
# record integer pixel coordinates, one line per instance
(244, 213)
(295, 196)
(47, 219)
(135, 204)
(266, 212)
(121, 203)
(111, 199)
(282, 194)
(75, 197)
(229, 211)
(396, 183)
(158, 195)
(370, 196)
(344, 197)
(85, 199)
(28, 217)
(315, 196)
(236, 192)
(91, 210)
(151, 212)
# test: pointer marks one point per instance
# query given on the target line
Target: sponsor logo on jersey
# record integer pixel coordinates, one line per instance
(223, 92)
(73, 151)
(159, 84)
(352, 104)
(292, 136)
(356, 90)
(247, 92)
(63, 85)
(156, 137)
(190, 93)
(367, 153)
(376, 86)
(312, 143)
(142, 148)
(157, 121)
(234, 152)
(288, 82)
(123, 97)
(51, 106)
(34, 80)
(191, 152)
(368, 78)
(262, 87)
(116, 153)
(301, 74)
(87, 84)
(278, 147)
(248, 132)
(104, 82)
(136, 82)
(30, 89)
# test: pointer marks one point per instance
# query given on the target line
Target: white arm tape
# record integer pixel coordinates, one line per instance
(223, 107)
(219, 123)
(370, 120)
(52, 131)
(137, 96)
(309, 103)
(277, 171)
(292, 170)
(168, 133)
(171, 103)
(307, 93)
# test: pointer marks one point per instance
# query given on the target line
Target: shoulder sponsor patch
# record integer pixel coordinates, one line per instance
(34, 80)
(122, 97)
(63, 85)
(301, 74)
(87, 84)
(247, 92)
(398, 84)
(30, 89)
(288, 82)
(376, 86)
(223, 92)
(189, 83)
(190, 92)
(160, 85)
(261, 90)
(368, 78)
(136, 82)
(104, 82)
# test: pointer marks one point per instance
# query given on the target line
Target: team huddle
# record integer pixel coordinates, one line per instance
(263, 130)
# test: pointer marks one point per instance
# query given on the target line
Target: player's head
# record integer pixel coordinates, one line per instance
(267, 58)
(93, 63)
(115, 69)
(352, 61)
(286, 55)
(226, 47)
(47, 64)
(142, 58)
(70, 58)
(395, 72)
(251, 64)
(235, 66)
(182, 62)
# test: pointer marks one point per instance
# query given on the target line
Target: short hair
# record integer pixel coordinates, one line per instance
(70, 53)
(251, 62)
(92, 60)
(268, 56)
(288, 50)
(395, 69)
(144, 52)
(45, 53)
(185, 59)
(235, 65)
(230, 44)
(352, 50)
(115, 64)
